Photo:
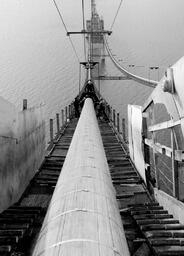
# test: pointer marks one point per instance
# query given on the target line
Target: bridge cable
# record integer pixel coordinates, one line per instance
(116, 15)
(83, 14)
(144, 81)
(91, 36)
(62, 20)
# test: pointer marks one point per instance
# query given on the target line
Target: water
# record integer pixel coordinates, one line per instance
(37, 61)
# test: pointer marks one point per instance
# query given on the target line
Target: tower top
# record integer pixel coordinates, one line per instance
(93, 7)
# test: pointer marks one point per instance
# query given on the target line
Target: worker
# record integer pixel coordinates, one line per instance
(76, 106)
(101, 109)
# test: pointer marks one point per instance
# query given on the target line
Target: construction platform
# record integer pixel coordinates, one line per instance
(149, 229)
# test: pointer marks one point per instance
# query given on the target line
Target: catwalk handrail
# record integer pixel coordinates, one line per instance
(139, 79)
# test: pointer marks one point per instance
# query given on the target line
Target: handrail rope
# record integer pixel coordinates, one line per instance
(83, 14)
(166, 184)
(144, 81)
(62, 20)
(116, 15)
(165, 177)
(165, 165)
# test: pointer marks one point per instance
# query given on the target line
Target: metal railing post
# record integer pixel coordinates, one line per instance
(155, 155)
(62, 117)
(69, 112)
(57, 122)
(123, 129)
(66, 114)
(146, 153)
(51, 131)
(118, 122)
(174, 167)
(114, 117)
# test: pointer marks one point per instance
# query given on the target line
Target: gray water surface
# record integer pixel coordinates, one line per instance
(38, 63)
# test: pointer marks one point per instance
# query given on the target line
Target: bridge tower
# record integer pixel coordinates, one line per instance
(96, 41)
(93, 7)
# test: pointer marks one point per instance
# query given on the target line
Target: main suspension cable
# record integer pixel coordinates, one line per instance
(83, 15)
(116, 15)
(145, 81)
(62, 20)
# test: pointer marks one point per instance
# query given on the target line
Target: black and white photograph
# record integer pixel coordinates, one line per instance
(91, 127)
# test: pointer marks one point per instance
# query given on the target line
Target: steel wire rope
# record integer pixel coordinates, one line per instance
(116, 15)
(83, 20)
(139, 79)
(91, 35)
(147, 82)
(62, 20)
